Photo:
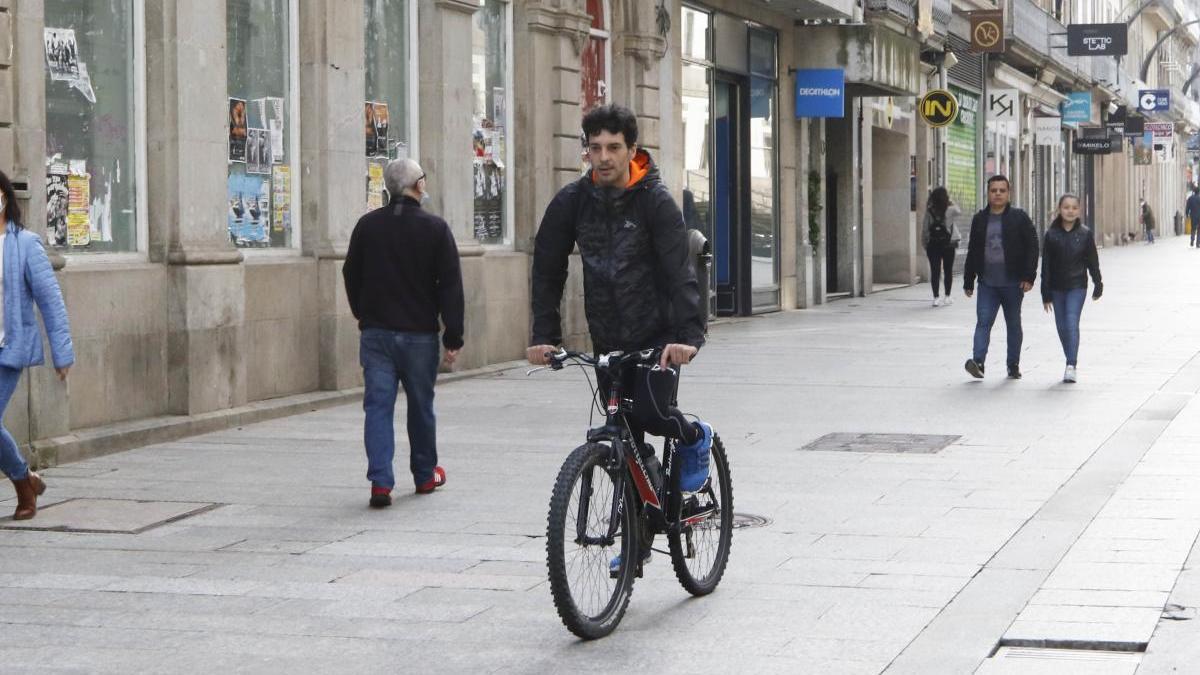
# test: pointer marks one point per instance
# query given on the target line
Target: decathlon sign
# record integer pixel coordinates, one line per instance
(820, 92)
(1097, 39)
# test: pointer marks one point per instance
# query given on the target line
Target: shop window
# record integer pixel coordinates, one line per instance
(389, 90)
(596, 57)
(262, 177)
(763, 239)
(91, 128)
(490, 141)
(695, 34)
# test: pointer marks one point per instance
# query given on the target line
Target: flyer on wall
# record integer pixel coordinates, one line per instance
(79, 205)
(62, 54)
(258, 151)
(382, 121)
(369, 120)
(281, 198)
(375, 187)
(57, 197)
(275, 128)
(237, 129)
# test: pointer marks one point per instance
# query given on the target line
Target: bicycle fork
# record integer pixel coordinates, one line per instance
(585, 505)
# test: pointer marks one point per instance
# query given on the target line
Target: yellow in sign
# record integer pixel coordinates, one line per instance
(938, 108)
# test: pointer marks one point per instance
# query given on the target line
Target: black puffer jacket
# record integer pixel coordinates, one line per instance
(1067, 259)
(1020, 246)
(640, 288)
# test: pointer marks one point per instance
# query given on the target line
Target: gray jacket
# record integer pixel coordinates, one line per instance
(952, 215)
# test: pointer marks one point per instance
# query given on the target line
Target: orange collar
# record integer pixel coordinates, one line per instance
(639, 166)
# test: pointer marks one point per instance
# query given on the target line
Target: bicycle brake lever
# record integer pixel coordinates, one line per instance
(534, 370)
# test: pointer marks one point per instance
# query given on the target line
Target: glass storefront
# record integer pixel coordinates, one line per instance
(763, 249)
(490, 142)
(388, 90)
(261, 123)
(91, 163)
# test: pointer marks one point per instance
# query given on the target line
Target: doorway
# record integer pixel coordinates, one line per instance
(730, 209)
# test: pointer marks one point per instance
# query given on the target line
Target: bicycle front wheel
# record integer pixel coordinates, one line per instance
(592, 521)
(700, 550)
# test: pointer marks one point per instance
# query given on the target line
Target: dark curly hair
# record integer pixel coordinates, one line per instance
(613, 118)
(12, 211)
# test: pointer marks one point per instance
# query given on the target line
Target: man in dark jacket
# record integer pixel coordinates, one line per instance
(1003, 254)
(1193, 212)
(640, 287)
(401, 274)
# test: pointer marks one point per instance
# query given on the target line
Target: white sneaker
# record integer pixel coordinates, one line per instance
(937, 302)
(947, 301)
(1069, 374)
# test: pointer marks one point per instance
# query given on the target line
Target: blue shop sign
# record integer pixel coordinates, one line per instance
(1154, 100)
(820, 92)
(1078, 108)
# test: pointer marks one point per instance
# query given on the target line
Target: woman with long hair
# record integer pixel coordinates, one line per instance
(26, 281)
(1068, 257)
(940, 237)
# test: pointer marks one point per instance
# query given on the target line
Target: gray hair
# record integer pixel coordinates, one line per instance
(401, 174)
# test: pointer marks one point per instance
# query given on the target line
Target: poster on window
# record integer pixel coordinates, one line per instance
(1143, 149)
(498, 107)
(281, 198)
(489, 201)
(375, 188)
(79, 209)
(369, 128)
(249, 210)
(237, 129)
(258, 151)
(275, 128)
(382, 122)
(62, 54)
(57, 197)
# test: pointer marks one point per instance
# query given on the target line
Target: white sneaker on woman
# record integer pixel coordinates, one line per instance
(947, 301)
(937, 302)
(1069, 374)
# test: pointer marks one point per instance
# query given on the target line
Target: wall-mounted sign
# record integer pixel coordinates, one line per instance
(1161, 129)
(1003, 104)
(1115, 123)
(820, 92)
(1078, 108)
(1047, 130)
(1092, 146)
(1135, 125)
(987, 31)
(1097, 39)
(938, 108)
(1154, 100)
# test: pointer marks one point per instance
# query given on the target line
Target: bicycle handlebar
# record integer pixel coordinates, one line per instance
(608, 360)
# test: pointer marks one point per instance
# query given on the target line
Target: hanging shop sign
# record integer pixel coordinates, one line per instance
(1161, 129)
(1047, 130)
(987, 31)
(1115, 122)
(1154, 100)
(1097, 39)
(1092, 146)
(1135, 125)
(820, 92)
(1078, 108)
(938, 108)
(1003, 105)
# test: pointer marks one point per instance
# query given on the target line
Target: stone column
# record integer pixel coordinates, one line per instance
(332, 86)
(638, 48)
(187, 176)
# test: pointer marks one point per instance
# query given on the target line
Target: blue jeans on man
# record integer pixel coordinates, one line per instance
(1068, 306)
(389, 359)
(989, 303)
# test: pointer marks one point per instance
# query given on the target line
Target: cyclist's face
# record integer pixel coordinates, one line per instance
(610, 157)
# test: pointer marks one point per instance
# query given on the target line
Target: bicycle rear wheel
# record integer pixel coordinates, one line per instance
(592, 520)
(700, 551)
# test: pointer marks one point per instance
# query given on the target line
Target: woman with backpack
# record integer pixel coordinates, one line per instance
(1068, 258)
(940, 237)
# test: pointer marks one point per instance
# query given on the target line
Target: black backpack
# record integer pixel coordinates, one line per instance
(939, 234)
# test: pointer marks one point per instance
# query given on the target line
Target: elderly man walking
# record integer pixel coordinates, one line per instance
(402, 274)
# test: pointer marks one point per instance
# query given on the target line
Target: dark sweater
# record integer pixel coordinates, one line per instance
(402, 271)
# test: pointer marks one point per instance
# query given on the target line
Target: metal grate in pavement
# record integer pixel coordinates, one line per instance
(919, 444)
(108, 516)
(744, 520)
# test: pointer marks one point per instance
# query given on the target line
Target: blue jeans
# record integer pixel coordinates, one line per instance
(390, 358)
(1068, 306)
(11, 462)
(991, 300)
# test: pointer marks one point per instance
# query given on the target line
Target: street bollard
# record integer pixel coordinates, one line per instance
(701, 255)
(1178, 223)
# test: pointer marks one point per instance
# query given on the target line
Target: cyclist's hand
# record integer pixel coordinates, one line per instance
(536, 354)
(677, 354)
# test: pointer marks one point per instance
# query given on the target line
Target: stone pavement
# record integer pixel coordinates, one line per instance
(1060, 526)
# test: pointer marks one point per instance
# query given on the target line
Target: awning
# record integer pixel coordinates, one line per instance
(877, 61)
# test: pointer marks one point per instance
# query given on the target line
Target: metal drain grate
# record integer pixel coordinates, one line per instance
(746, 520)
(104, 516)
(920, 444)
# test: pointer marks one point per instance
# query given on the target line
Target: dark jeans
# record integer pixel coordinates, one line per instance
(1068, 306)
(653, 393)
(390, 358)
(941, 261)
(990, 301)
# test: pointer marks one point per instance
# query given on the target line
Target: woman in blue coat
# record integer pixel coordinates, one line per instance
(26, 280)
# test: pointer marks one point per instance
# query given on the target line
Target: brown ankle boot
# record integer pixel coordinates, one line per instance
(28, 489)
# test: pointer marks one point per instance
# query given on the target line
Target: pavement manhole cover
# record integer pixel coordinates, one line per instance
(921, 444)
(744, 520)
(118, 516)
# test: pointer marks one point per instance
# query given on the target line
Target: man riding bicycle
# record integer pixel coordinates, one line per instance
(640, 289)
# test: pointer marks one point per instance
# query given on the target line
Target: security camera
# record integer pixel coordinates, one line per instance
(950, 60)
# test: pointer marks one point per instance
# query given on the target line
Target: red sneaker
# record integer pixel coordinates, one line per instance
(438, 480)
(380, 497)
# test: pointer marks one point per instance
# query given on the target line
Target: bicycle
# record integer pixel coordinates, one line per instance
(591, 522)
